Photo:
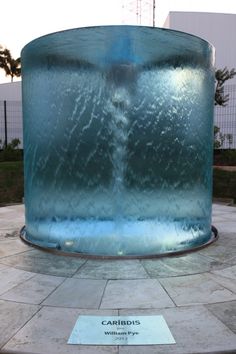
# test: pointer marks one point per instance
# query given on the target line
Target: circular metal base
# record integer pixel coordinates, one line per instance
(213, 238)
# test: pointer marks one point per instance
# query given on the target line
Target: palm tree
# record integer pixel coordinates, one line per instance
(11, 66)
(221, 76)
(2, 59)
(221, 99)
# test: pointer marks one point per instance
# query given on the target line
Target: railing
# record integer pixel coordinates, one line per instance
(225, 119)
(11, 122)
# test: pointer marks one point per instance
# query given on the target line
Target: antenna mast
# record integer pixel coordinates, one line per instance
(139, 12)
(154, 14)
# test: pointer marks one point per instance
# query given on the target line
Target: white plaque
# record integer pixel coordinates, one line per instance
(121, 330)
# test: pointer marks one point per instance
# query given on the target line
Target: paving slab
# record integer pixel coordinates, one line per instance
(196, 289)
(34, 290)
(49, 330)
(12, 247)
(12, 219)
(232, 261)
(112, 269)
(226, 312)
(80, 293)
(195, 329)
(185, 264)
(219, 219)
(12, 234)
(229, 272)
(9, 233)
(11, 277)
(226, 226)
(3, 266)
(4, 211)
(139, 293)
(216, 213)
(223, 208)
(226, 282)
(230, 217)
(13, 208)
(227, 239)
(196, 293)
(45, 263)
(219, 252)
(13, 317)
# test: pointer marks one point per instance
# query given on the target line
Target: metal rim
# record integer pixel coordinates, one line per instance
(213, 238)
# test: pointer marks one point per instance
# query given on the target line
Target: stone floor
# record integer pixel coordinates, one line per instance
(42, 295)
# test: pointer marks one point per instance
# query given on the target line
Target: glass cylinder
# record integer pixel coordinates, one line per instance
(118, 139)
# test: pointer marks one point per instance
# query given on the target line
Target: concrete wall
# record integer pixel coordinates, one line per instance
(10, 91)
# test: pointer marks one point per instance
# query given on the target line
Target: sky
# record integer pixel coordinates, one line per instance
(25, 20)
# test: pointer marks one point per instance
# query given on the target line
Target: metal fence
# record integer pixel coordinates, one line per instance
(11, 122)
(225, 119)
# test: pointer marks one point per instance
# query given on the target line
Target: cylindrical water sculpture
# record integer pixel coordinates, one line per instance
(118, 130)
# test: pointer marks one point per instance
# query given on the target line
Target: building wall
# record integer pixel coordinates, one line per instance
(216, 28)
(10, 91)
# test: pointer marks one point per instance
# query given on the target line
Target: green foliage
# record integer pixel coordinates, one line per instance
(11, 182)
(14, 144)
(221, 76)
(220, 138)
(229, 138)
(11, 152)
(224, 184)
(11, 66)
(225, 158)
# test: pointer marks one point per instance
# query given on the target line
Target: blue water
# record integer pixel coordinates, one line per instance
(118, 140)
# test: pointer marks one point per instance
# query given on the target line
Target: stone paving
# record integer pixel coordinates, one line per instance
(42, 295)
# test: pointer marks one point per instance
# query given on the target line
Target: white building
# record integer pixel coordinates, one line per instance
(218, 29)
(10, 91)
